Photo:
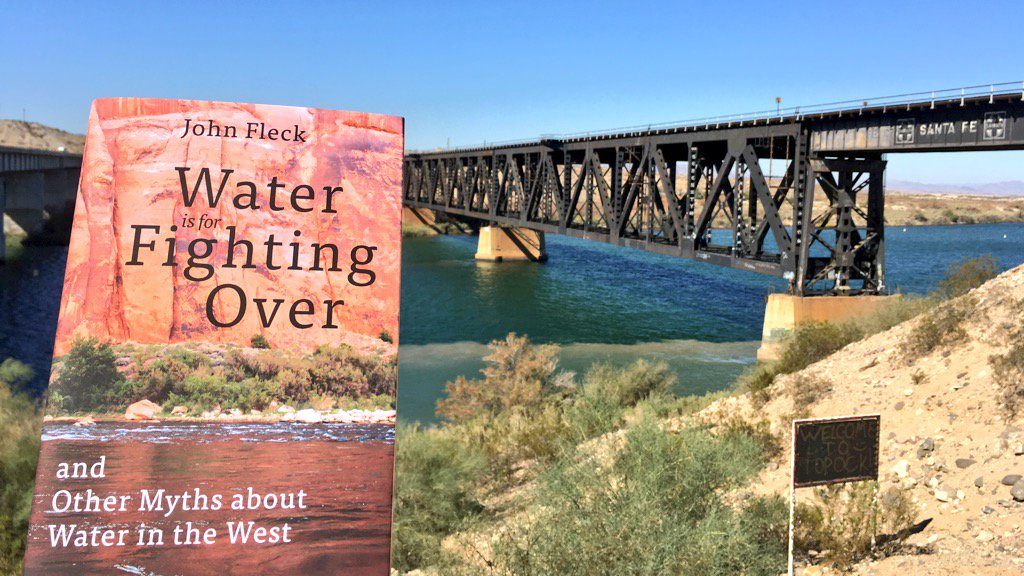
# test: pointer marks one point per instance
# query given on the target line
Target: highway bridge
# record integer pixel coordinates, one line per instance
(734, 191)
(34, 183)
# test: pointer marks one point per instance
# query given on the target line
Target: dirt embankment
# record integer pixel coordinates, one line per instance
(948, 441)
(906, 209)
(19, 134)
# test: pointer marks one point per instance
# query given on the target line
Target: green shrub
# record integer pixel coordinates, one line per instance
(815, 342)
(518, 435)
(918, 378)
(262, 364)
(590, 416)
(941, 326)
(895, 311)
(967, 275)
(88, 372)
(600, 404)
(841, 523)
(803, 347)
(19, 449)
(756, 380)
(806, 390)
(760, 432)
(517, 373)
(656, 510)
(1008, 368)
(205, 391)
(259, 341)
(341, 371)
(385, 336)
(158, 376)
(434, 494)
(15, 375)
(629, 385)
(334, 372)
(669, 405)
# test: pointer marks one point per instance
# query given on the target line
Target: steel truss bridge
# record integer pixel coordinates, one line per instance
(662, 188)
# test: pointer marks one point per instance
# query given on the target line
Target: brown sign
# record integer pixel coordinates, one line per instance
(834, 450)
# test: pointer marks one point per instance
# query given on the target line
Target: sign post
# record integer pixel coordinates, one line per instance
(831, 451)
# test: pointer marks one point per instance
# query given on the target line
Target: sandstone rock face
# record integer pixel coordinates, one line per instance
(133, 148)
(142, 410)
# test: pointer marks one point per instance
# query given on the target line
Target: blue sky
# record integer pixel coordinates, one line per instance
(468, 72)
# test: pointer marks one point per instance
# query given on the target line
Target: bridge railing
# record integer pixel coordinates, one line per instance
(932, 97)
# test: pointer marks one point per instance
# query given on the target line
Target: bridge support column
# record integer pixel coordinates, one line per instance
(24, 209)
(785, 313)
(60, 187)
(498, 244)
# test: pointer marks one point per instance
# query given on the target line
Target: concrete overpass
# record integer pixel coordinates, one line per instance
(33, 185)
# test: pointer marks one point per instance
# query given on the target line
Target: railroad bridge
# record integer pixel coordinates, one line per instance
(796, 193)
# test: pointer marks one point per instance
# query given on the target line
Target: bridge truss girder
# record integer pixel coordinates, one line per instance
(741, 198)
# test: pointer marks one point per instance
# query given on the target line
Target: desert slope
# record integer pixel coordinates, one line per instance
(947, 441)
(19, 134)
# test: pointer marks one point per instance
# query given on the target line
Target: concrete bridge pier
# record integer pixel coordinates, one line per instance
(785, 313)
(498, 244)
(60, 187)
(21, 205)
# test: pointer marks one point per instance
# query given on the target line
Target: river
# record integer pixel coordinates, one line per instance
(599, 302)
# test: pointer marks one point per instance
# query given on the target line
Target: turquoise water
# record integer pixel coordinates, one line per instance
(600, 302)
(607, 303)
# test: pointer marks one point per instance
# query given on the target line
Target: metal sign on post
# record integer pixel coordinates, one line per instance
(831, 451)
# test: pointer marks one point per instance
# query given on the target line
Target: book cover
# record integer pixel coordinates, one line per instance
(223, 388)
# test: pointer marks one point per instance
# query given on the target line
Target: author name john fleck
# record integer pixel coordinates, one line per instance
(253, 130)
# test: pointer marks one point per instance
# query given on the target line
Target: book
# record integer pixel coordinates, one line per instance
(225, 367)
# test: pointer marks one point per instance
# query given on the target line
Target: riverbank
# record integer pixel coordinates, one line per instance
(210, 381)
(910, 209)
(947, 385)
(572, 469)
(234, 416)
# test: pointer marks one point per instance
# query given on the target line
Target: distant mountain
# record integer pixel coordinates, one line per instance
(19, 134)
(1008, 188)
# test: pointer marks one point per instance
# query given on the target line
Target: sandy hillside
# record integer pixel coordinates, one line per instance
(945, 438)
(33, 135)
